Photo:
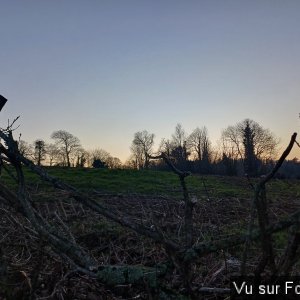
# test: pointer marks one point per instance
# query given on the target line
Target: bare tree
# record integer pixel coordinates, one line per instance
(179, 137)
(165, 146)
(80, 157)
(113, 163)
(264, 142)
(142, 147)
(103, 156)
(54, 154)
(130, 163)
(248, 140)
(25, 149)
(180, 151)
(137, 156)
(67, 142)
(97, 154)
(199, 144)
(232, 142)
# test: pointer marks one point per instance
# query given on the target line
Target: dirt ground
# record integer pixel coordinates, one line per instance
(29, 269)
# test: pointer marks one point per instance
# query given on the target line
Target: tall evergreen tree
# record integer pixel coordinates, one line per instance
(250, 159)
(39, 151)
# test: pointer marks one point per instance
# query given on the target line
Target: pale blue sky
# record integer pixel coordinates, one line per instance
(103, 70)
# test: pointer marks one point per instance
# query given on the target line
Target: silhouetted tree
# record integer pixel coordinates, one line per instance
(179, 137)
(102, 155)
(180, 154)
(249, 141)
(200, 146)
(180, 151)
(39, 151)
(250, 159)
(141, 148)
(113, 163)
(53, 153)
(99, 164)
(81, 157)
(131, 163)
(67, 142)
(25, 148)
(165, 146)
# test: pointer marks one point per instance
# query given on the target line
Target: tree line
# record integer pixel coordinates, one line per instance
(66, 151)
(244, 148)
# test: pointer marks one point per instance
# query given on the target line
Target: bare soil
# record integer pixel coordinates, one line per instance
(29, 269)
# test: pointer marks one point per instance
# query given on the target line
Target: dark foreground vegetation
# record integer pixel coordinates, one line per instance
(128, 234)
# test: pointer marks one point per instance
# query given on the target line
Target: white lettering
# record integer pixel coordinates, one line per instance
(268, 289)
(287, 286)
(262, 289)
(272, 289)
(297, 289)
(248, 289)
(239, 290)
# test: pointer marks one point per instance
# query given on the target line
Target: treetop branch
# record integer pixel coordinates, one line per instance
(279, 162)
(163, 156)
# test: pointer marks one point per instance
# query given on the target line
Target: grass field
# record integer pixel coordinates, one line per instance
(148, 182)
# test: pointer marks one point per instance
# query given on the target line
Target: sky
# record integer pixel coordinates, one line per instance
(103, 70)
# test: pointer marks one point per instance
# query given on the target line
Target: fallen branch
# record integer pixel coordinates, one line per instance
(114, 275)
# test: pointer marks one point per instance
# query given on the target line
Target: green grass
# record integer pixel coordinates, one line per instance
(150, 182)
(104, 180)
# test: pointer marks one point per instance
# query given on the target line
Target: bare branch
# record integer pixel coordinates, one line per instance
(170, 164)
